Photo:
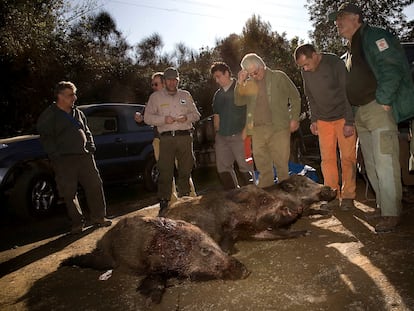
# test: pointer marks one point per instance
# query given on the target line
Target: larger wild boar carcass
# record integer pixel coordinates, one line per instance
(160, 248)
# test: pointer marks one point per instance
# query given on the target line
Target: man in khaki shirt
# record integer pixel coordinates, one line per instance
(173, 111)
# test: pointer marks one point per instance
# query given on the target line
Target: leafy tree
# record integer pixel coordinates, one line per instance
(97, 59)
(230, 51)
(31, 57)
(29, 40)
(148, 50)
(387, 14)
(196, 78)
(257, 37)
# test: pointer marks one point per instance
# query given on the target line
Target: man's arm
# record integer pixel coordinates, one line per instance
(387, 62)
(45, 127)
(341, 78)
(90, 144)
(245, 90)
(216, 122)
(151, 115)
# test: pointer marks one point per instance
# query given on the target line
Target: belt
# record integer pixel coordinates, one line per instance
(176, 133)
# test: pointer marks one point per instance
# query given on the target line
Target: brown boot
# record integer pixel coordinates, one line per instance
(347, 204)
(227, 181)
(387, 224)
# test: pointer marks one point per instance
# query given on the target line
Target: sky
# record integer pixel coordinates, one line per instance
(199, 23)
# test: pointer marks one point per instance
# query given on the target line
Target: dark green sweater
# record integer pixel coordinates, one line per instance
(232, 117)
(64, 134)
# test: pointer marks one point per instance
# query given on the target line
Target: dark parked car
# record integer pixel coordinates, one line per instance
(124, 154)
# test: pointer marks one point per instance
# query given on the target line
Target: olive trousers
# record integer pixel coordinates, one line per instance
(271, 149)
(71, 170)
(378, 136)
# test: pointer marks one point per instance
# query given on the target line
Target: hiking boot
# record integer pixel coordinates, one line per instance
(328, 206)
(372, 215)
(163, 207)
(387, 224)
(347, 204)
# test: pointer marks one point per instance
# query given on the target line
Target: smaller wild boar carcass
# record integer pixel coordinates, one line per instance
(302, 188)
(160, 248)
(240, 214)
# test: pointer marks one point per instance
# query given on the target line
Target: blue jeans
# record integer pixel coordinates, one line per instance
(378, 136)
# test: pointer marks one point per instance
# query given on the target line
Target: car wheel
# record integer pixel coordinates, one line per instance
(151, 174)
(34, 194)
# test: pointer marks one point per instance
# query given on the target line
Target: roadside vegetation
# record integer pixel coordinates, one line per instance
(45, 41)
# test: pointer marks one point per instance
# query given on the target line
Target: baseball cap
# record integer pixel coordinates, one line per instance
(345, 7)
(171, 73)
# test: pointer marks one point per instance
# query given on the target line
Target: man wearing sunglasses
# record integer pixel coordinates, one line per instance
(157, 84)
(173, 111)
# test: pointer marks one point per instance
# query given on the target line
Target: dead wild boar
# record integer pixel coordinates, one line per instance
(245, 213)
(303, 189)
(160, 248)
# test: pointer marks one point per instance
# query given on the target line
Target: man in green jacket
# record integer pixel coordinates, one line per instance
(273, 108)
(380, 87)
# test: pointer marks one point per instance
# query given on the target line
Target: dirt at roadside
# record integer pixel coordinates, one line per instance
(341, 265)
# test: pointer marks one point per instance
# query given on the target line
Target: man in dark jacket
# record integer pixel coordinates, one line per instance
(66, 138)
(380, 87)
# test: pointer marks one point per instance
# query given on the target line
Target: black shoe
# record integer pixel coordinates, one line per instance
(76, 230)
(163, 207)
(104, 223)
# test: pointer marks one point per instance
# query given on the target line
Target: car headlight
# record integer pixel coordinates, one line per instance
(2, 146)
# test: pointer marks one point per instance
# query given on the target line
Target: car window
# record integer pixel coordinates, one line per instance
(102, 122)
(131, 123)
(100, 125)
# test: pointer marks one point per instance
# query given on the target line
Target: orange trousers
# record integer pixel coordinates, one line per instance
(330, 138)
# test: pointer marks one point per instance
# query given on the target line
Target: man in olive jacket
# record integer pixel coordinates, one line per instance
(67, 140)
(273, 108)
(380, 87)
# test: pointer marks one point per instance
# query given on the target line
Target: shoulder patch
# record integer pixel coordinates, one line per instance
(382, 44)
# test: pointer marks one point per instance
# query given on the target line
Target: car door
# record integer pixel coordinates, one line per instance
(111, 149)
(138, 138)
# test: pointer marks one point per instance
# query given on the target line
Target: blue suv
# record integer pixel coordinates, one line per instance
(124, 154)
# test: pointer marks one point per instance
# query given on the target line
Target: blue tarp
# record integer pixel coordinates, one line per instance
(299, 169)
